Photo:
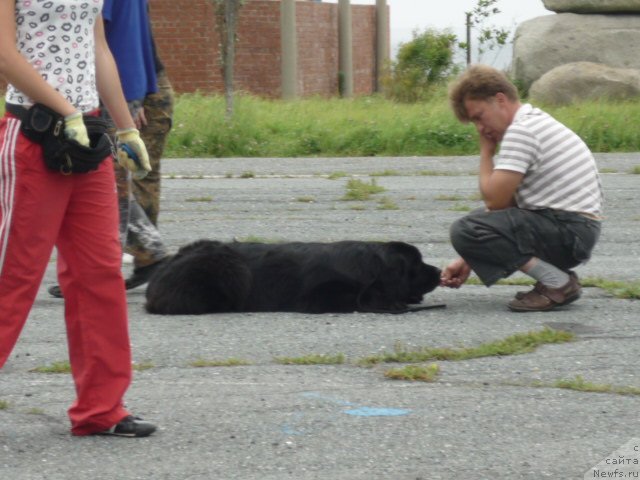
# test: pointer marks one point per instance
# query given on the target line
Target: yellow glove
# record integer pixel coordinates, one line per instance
(75, 129)
(131, 152)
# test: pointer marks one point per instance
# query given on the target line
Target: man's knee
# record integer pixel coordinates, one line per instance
(460, 234)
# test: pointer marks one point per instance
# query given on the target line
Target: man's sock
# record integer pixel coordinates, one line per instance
(548, 275)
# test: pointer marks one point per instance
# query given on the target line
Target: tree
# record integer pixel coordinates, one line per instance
(489, 36)
(422, 62)
(226, 13)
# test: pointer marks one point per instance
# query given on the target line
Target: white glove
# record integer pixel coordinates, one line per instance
(75, 129)
(131, 152)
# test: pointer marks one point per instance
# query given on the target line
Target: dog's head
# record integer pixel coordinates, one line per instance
(416, 276)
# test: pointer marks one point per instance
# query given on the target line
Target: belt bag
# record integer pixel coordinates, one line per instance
(42, 125)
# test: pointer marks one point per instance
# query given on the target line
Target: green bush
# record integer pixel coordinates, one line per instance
(421, 63)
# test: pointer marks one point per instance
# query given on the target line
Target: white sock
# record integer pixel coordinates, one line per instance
(548, 275)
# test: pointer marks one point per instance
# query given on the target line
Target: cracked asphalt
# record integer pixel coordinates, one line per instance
(488, 418)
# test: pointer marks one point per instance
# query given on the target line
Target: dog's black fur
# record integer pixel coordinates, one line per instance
(209, 276)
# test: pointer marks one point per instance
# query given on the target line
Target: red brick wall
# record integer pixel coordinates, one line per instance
(187, 41)
(317, 37)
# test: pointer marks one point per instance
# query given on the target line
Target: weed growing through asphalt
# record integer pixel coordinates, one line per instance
(247, 175)
(142, 366)
(313, 359)
(618, 289)
(229, 362)
(359, 190)
(255, 239)
(581, 385)
(199, 199)
(4, 405)
(56, 367)
(385, 203)
(386, 173)
(513, 345)
(35, 411)
(422, 373)
(337, 175)
(458, 207)
(306, 199)
(622, 290)
(636, 170)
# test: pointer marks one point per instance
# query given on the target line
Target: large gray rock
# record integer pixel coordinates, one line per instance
(592, 6)
(546, 42)
(585, 80)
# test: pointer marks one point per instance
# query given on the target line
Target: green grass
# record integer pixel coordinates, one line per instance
(312, 359)
(581, 385)
(622, 290)
(385, 203)
(55, 367)
(205, 199)
(366, 126)
(142, 366)
(422, 373)
(514, 345)
(360, 191)
(337, 175)
(617, 289)
(386, 173)
(230, 362)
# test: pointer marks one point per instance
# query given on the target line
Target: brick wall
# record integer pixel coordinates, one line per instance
(187, 41)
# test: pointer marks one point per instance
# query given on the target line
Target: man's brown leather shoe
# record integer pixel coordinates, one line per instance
(542, 298)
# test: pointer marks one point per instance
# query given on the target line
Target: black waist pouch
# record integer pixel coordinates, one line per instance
(42, 125)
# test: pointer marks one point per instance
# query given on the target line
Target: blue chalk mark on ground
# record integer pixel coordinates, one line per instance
(376, 412)
(358, 410)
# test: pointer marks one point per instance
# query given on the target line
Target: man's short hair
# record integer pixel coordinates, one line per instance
(479, 82)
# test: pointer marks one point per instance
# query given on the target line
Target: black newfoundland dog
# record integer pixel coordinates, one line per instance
(209, 277)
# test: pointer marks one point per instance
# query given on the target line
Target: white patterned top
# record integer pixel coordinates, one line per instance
(559, 169)
(57, 38)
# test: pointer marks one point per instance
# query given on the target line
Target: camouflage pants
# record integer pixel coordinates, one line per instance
(158, 109)
(139, 200)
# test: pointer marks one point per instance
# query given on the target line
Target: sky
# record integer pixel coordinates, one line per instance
(408, 15)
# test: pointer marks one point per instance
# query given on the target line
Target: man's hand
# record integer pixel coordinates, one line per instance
(132, 154)
(455, 274)
(75, 129)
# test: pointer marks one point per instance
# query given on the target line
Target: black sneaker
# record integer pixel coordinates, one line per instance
(55, 291)
(130, 426)
(141, 275)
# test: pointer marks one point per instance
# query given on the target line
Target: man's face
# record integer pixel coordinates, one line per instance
(491, 117)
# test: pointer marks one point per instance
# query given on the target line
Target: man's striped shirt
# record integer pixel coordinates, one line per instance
(559, 169)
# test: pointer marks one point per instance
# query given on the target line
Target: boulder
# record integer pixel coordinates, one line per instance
(585, 81)
(546, 42)
(592, 6)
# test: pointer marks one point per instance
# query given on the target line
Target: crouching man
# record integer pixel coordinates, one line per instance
(542, 194)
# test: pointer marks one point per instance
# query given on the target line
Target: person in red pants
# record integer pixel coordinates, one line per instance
(62, 61)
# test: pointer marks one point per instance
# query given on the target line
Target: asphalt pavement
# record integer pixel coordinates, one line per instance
(489, 418)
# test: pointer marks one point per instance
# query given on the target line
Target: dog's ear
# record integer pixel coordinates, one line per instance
(407, 250)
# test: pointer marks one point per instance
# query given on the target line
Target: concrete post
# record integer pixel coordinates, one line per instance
(382, 41)
(289, 49)
(345, 48)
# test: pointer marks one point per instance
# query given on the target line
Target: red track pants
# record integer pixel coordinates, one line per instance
(78, 214)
